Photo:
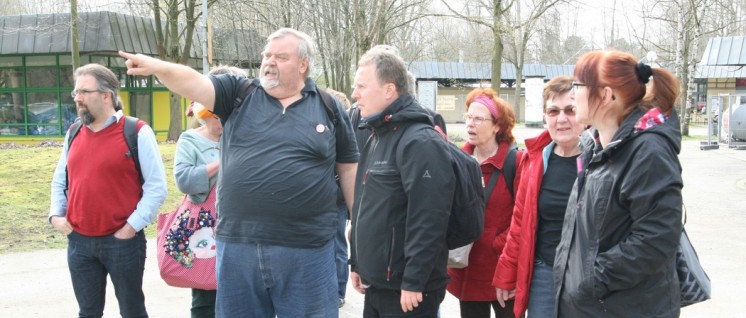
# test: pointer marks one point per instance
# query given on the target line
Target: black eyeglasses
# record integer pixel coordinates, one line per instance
(555, 111)
(576, 84)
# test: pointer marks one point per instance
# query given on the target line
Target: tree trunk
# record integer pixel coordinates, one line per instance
(74, 32)
(497, 56)
(682, 68)
(174, 128)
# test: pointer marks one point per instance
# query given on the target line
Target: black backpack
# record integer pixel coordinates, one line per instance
(466, 221)
(130, 137)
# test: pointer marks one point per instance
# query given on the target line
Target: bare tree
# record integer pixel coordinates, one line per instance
(524, 26)
(680, 29)
(493, 15)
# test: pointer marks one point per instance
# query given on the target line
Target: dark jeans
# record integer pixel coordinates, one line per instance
(203, 303)
(91, 258)
(340, 251)
(386, 303)
(481, 309)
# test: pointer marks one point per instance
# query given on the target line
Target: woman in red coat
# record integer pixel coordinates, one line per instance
(489, 124)
(549, 171)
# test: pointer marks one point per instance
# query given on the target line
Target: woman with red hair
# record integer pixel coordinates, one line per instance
(616, 256)
(489, 124)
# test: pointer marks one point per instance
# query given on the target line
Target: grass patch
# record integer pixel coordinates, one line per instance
(25, 191)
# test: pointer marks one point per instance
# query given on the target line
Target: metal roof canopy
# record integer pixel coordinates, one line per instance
(483, 71)
(725, 51)
(109, 32)
(712, 71)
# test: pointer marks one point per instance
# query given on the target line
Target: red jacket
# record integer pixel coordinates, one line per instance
(474, 283)
(516, 264)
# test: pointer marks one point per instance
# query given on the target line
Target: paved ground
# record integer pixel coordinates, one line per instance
(37, 284)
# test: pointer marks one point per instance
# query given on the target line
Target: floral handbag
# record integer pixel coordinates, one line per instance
(186, 244)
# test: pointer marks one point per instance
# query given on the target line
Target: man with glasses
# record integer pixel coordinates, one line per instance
(98, 200)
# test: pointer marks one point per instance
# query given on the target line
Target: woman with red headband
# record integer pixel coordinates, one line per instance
(489, 123)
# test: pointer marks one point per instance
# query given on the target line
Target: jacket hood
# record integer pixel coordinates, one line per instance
(635, 124)
(403, 109)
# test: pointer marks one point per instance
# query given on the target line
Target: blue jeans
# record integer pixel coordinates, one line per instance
(386, 303)
(541, 293)
(259, 280)
(91, 258)
(340, 251)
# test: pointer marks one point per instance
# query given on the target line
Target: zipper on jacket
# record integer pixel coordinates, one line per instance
(391, 254)
(362, 195)
(603, 305)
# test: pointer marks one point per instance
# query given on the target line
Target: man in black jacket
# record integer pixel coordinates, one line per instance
(403, 195)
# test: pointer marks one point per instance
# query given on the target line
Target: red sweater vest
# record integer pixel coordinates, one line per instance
(103, 184)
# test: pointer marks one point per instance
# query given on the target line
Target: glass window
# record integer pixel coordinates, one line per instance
(45, 60)
(66, 77)
(11, 61)
(98, 59)
(66, 60)
(121, 74)
(42, 108)
(116, 61)
(12, 130)
(140, 106)
(43, 129)
(69, 113)
(68, 110)
(138, 81)
(84, 59)
(11, 108)
(11, 78)
(41, 77)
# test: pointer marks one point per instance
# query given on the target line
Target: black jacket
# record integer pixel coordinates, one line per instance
(403, 195)
(622, 227)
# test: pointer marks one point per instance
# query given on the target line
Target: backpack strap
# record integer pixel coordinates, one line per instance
(491, 185)
(73, 132)
(247, 88)
(509, 167)
(132, 126)
(326, 98)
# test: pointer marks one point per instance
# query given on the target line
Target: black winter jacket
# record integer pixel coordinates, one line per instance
(622, 227)
(403, 194)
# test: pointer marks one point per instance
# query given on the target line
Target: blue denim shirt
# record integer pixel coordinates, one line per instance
(154, 189)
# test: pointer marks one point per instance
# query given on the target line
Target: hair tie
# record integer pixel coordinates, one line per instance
(644, 72)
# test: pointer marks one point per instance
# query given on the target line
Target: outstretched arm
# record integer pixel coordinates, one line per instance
(180, 79)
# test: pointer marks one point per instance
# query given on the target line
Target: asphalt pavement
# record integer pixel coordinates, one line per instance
(37, 284)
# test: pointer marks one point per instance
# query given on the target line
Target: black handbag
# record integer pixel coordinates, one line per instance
(694, 283)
